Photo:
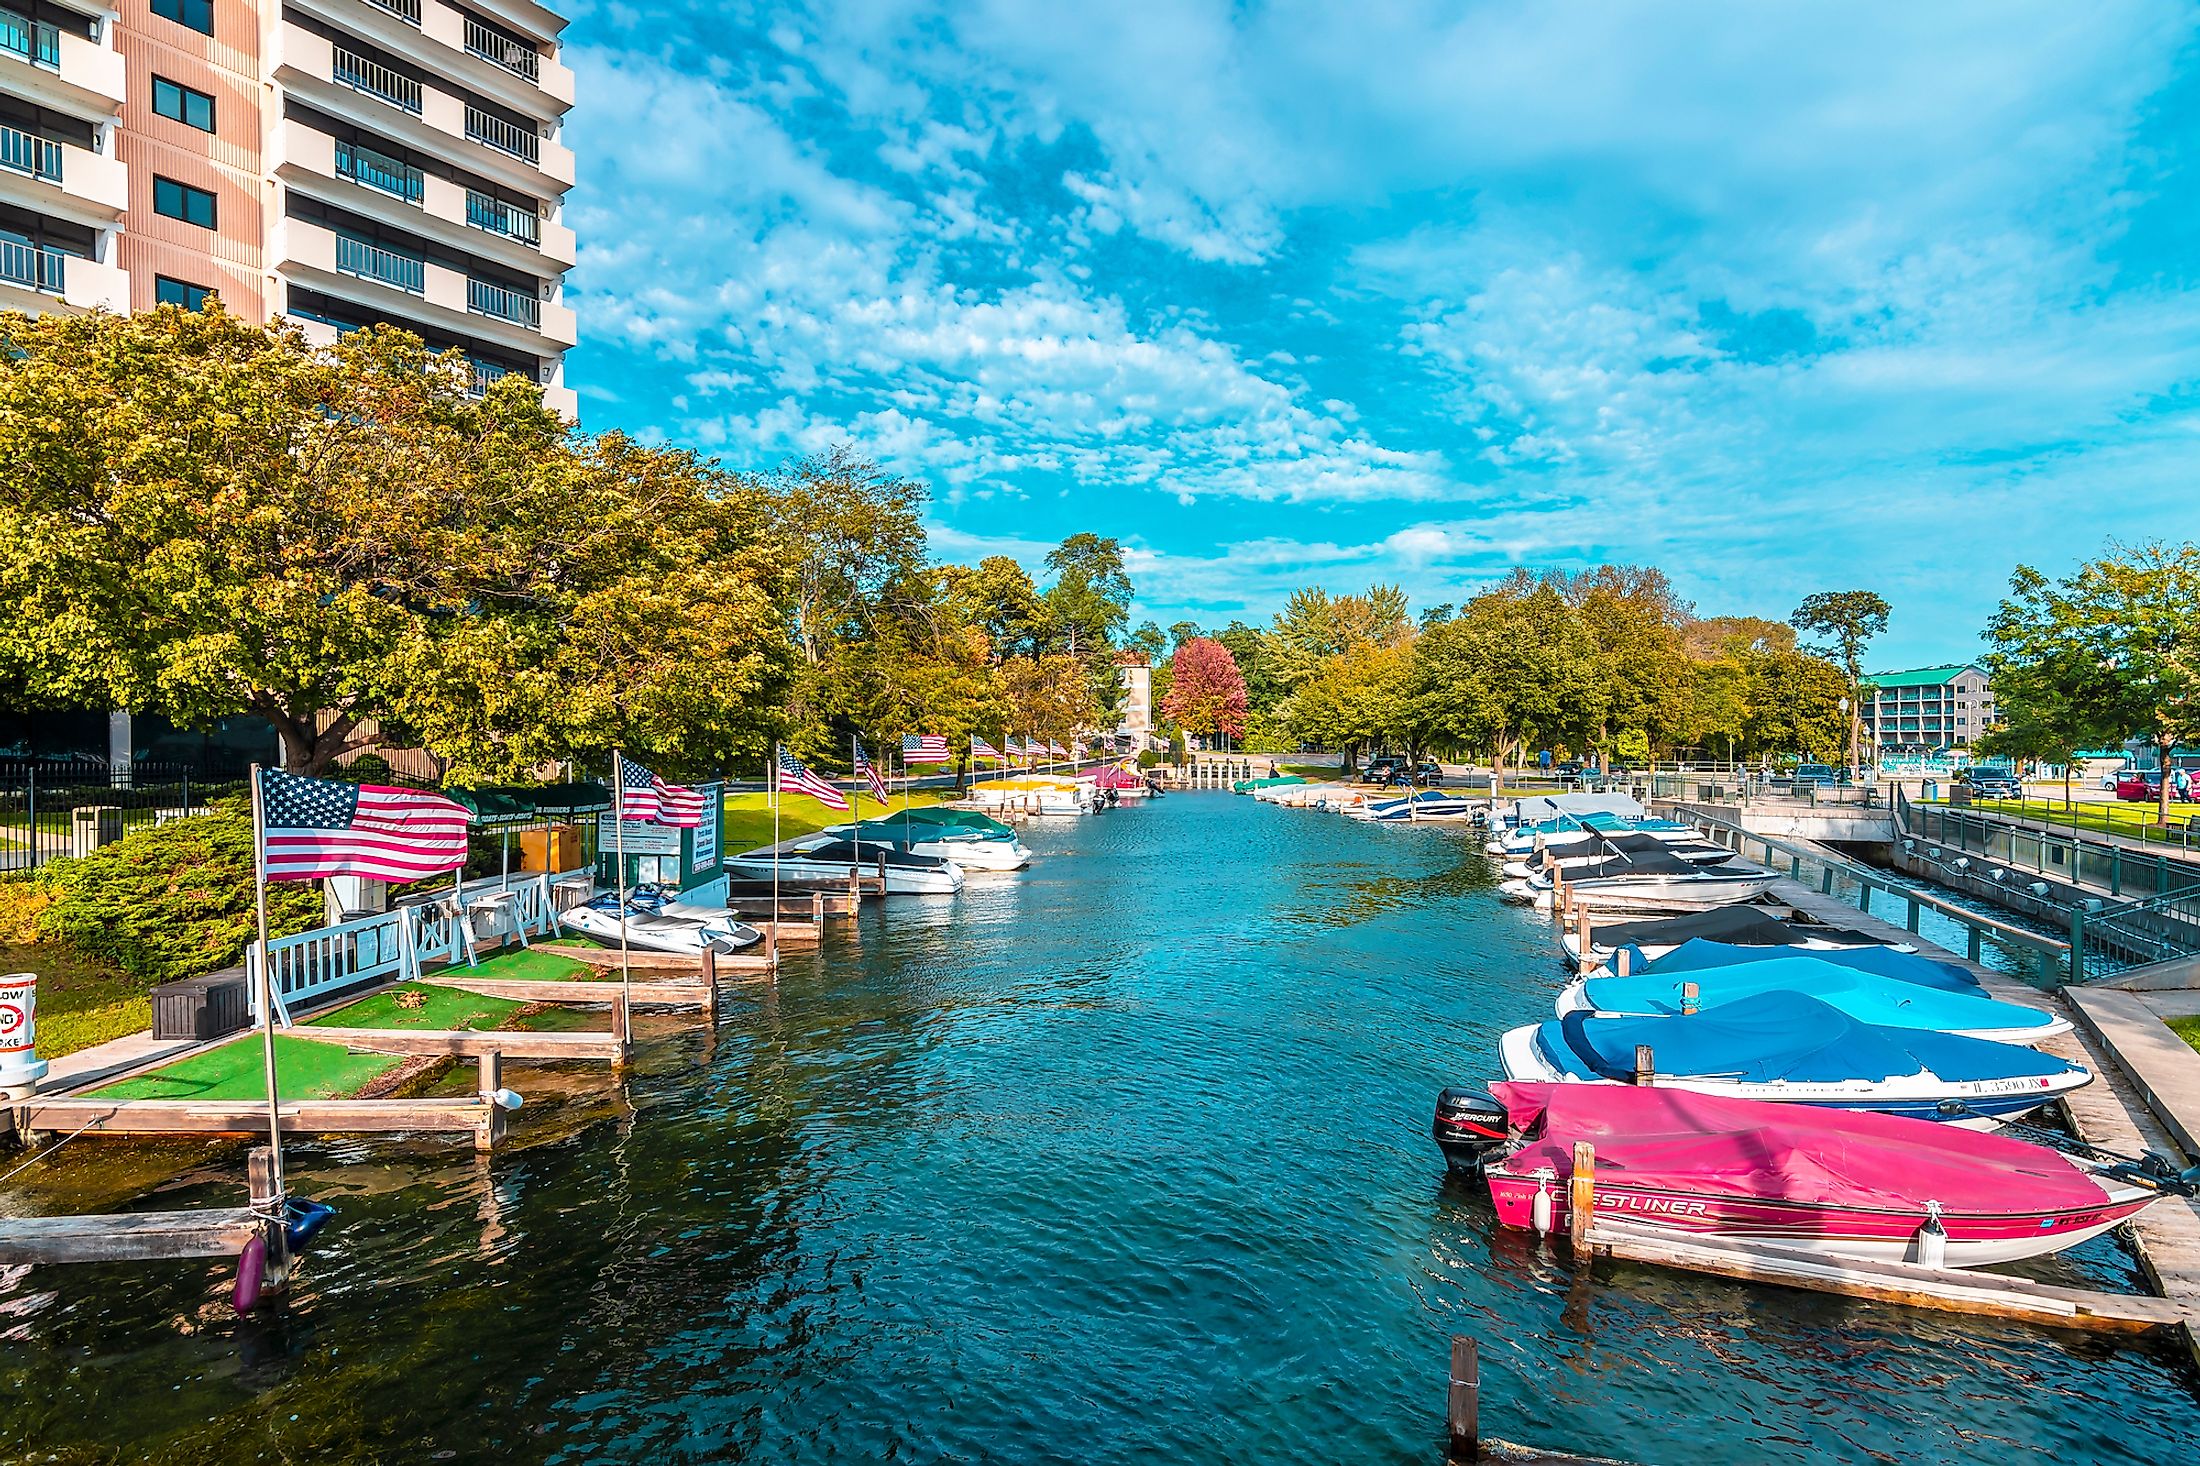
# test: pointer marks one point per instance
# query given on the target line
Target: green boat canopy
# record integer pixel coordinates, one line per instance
(958, 819)
(497, 808)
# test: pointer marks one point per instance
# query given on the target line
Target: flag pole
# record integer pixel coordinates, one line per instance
(855, 795)
(771, 781)
(267, 990)
(618, 841)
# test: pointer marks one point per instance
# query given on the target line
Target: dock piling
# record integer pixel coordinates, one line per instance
(1582, 1201)
(1463, 1403)
(1646, 1066)
(267, 1205)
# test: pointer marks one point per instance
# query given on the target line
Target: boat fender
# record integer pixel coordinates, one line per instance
(251, 1275)
(1539, 1211)
(303, 1218)
(1932, 1238)
(507, 1099)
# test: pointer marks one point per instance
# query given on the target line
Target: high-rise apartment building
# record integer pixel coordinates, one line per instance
(337, 162)
(1929, 708)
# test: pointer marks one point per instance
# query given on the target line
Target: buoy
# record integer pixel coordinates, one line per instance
(507, 1099)
(302, 1219)
(1932, 1238)
(1539, 1211)
(251, 1275)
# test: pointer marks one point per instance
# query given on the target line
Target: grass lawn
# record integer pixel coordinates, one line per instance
(81, 1002)
(2187, 1029)
(2123, 817)
(749, 816)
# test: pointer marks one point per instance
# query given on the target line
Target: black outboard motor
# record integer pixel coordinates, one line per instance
(1471, 1126)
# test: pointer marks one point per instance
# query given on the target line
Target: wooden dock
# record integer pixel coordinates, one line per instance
(472, 1043)
(478, 1116)
(587, 992)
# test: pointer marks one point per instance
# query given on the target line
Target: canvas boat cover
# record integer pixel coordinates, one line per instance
(1741, 926)
(1657, 860)
(953, 819)
(1699, 955)
(1865, 996)
(1701, 1144)
(1113, 777)
(1769, 1038)
(1533, 807)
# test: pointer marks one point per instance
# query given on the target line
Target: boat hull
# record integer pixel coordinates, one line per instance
(900, 881)
(686, 933)
(1660, 894)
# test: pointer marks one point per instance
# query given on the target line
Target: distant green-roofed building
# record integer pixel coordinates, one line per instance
(1929, 708)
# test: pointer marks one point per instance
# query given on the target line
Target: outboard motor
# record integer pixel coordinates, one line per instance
(1471, 1126)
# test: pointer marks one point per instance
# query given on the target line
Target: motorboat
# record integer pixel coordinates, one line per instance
(1651, 880)
(1703, 956)
(1741, 926)
(985, 844)
(1791, 1048)
(1568, 859)
(1123, 783)
(1036, 794)
(830, 859)
(1574, 829)
(1837, 1183)
(651, 927)
(1423, 804)
(1864, 996)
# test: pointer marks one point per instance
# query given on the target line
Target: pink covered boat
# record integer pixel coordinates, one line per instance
(1839, 1182)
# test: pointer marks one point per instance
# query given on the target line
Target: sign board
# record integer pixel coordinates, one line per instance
(705, 856)
(642, 837)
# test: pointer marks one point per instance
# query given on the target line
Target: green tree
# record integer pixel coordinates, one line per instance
(1091, 595)
(1517, 667)
(1848, 620)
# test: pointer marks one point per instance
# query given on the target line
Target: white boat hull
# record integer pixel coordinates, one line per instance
(900, 881)
(667, 931)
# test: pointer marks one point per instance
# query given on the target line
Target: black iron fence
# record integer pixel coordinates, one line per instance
(51, 810)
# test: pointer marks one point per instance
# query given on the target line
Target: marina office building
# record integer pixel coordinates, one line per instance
(338, 162)
(1929, 708)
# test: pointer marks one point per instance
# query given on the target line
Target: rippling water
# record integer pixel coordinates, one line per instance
(1125, 1160)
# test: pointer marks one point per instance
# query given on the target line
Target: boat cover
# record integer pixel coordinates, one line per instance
(1741, 926)
(1862, 995)
(1533, 807)
(1699, 955)
(956, 819)
(1703, 1144)
(1772, 1037)
(1113, 777)
(1657, 859)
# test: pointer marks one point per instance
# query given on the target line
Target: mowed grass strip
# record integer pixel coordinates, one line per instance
(749, 816)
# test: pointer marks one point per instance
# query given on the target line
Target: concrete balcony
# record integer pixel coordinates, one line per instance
(357, 178)
(413, 293)
(96, 286)
(80, 77)
(61, 180)
(443, 41)
(563, 401)
(304, 63)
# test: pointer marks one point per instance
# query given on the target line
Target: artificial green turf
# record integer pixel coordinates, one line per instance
(531, 964)
(442, 1009)
(234, 1072)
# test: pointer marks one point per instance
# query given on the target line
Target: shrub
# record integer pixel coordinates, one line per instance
(169, 901)
(22, 902)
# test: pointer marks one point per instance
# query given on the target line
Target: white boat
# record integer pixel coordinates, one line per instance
(1570, 830)
(1423, 804)
(1037, 794)
(830, 859)
(987, 846)
(1691, 888)
(651, 927)
(1735, 925)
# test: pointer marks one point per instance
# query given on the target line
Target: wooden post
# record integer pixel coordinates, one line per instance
(855, 892)
(771, 943)
(1621, 961)
(492, 1072)
(1463, 1405)
(710, 982)
(817, 911)
(491, 1129)
(266, 1191)
(1584, 933)
(1646, 1066)
(622, 1028)
(1689, 995)
(1582, 1202)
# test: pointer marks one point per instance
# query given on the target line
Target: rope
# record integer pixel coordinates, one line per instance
(48, 1153)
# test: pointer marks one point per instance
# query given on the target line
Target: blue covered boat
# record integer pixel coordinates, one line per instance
(1787, 1047)
(1424, 804)
(1864, 996)
(1701, 956)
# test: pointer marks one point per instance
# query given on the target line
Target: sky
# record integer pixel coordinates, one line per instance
(1778, 298)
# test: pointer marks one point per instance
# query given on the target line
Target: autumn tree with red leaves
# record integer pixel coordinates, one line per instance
(1206, 690)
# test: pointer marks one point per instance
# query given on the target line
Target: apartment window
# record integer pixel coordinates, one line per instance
(197, 14)
(192, 109)
(175, 200)
(180, 292)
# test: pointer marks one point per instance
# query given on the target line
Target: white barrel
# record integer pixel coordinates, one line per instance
(20, 1066)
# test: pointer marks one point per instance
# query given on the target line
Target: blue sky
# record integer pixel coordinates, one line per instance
(1781, 299)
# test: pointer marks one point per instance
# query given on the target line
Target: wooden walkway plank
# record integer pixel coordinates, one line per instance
(606, 959)
(478, 1116)
(126, 1238)
(660, 994)
(511, 1043)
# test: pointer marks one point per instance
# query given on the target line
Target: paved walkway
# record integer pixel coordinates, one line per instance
(2114, 1112)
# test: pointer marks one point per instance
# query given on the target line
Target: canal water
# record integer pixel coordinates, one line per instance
(1125, 1160)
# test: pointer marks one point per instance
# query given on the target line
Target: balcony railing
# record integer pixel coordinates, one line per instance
(375, 79)
(34, 41)
(499, 217)
(32, 266)
(505, 137)
(372, 262)
(407, 11)
(379, 171)
(483, 374)
(27, 152)
(517, 57)
(516, 306)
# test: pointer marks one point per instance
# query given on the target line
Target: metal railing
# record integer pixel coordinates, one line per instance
(27, 152)
(407, 11)
(483, 373)
(379, 171)
(34, 41)
(517, 57)
(505, 137)
(495, 301)
(33, 266)
(499, 217)
(372, 262)
(52, 809)
(374, 79)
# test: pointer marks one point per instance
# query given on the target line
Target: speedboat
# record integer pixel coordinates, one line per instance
(1741, 926)
(981, 844)
(1652, 881)
(1121, 782)
(1569, 859)
(1837, 1183)
(1425, 804)
(1703, 956)
(831, 859)
(650, 927)
(1037, 794)
(1864, 996)
(1574, 829)
(1791, 1048)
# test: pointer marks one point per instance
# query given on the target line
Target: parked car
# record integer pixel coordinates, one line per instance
(2139, 784)
(1987, 783)
(1429, 774)
(1820, 776)
(1384, 770)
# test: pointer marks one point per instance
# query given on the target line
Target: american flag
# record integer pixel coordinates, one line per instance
(324, 827)
(793, 776)
(979, 748)
(1056, 749)
(644, 796)
(868, 772)
(924, 748)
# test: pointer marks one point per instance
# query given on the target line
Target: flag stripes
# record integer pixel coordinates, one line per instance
(792, 775)
(641, 795)
(314, 828)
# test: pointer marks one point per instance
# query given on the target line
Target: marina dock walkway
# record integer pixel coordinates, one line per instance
(2113, 1112)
